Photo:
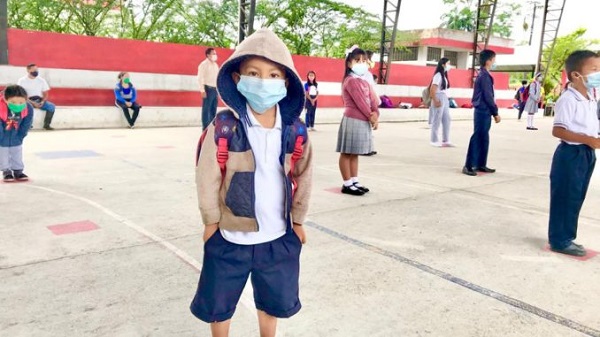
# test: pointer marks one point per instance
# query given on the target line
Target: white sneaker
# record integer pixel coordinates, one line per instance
(438, 144)
(447, 144)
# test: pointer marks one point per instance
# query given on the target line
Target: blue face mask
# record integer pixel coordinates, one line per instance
(593, 80)
(494, 66)
(261, 94)
(360, 68)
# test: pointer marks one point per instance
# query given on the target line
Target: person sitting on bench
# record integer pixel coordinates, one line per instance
(126, 95)
(37, 92)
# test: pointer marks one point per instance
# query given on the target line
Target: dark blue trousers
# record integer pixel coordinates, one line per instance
(572, 168)
(311, 111)
(480, 140)
(209, 106)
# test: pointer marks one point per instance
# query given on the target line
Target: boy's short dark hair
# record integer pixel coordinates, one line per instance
(209, 51)
(14, 91)
(524, 82)
(31, 65)
(486, 55)
(576, 60)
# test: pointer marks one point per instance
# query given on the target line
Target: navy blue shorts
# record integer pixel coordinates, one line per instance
(274, 268)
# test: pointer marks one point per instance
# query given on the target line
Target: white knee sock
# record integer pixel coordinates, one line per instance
(529, 121)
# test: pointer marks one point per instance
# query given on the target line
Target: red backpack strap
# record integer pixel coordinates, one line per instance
(299, 135)
(225, 127)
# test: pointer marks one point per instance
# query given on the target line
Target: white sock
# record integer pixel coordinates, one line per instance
(348, 183)
(355, 182)
(529, 121)
(532, 116)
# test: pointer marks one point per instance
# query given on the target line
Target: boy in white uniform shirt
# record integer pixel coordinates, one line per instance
(576, 125)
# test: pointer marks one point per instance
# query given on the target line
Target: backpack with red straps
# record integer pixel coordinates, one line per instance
(226, 124)
(526, 93)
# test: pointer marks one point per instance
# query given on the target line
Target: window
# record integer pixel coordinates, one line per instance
(434, 54)
(405, 54)
(452, 56)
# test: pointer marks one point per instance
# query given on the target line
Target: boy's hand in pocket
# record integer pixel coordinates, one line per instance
(209, 231)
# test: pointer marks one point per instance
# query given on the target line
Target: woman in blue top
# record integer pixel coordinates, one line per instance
(126, 95)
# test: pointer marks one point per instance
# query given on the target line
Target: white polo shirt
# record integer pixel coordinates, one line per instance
(269, 185)
(576, 113)
(437, 80)
(34, 86)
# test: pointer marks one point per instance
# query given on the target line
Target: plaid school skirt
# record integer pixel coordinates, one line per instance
(354, 136)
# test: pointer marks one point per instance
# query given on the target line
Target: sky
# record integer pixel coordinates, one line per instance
(416, 14)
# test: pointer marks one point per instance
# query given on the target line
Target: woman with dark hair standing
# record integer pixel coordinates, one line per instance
(361, 115)
(440, 105)
(126, 98)
(311, 92)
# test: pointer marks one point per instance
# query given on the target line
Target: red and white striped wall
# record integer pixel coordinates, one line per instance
(82, 71)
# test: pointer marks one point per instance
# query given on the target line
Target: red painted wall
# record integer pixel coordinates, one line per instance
(52, 50)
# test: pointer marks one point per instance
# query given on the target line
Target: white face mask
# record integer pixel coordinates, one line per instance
(213, 58)
(447, 68)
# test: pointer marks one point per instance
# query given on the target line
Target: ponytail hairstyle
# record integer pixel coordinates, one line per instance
(442, 71)
(355, 54)
(121, 74)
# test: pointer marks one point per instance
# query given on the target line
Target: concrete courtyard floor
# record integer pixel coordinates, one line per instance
(106, 240)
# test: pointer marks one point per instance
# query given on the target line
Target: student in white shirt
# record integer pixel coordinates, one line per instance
(576, 125)
(311, 92)
(37, 91)
(440, 105)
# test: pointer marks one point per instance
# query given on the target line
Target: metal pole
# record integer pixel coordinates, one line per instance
(535, 5)
(3, 31)
(541, 50)
(382, 47)
(491, 23)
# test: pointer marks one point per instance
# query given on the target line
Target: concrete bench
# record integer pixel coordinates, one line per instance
(75, 117)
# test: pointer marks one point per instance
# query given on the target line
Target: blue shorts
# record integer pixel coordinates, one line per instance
(274, 268)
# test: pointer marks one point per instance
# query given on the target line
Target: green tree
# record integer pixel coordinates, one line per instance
(41, 15)
(564, 46)
(463, 16)
(319, 27)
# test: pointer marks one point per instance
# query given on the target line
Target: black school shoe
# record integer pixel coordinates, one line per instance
(469, 171)
(8, 177)
(352, 190)
(486, 169)
(572, 249)
(362, 188)
(532, 128)
(20, 176)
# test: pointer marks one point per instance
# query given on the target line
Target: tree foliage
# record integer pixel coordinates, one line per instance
(563, 47)
(309, 27)
(463, 16)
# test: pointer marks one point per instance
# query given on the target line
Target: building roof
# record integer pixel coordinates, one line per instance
(453, 39)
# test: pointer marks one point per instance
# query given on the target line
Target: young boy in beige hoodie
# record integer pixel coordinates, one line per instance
(254, 207)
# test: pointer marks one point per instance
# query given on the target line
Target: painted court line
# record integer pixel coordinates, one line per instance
(67, 154)
(246, 299)
(463, 283)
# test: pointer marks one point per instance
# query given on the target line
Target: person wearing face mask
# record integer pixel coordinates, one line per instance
(37, 91)
(533, 99)
(361, 116)
(485, 108)
(16, 117)
(254, 201)
(126, 98)
(207, 80)
(576, 126)
(440, 104)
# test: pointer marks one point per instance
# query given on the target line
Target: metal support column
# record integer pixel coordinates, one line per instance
(486, 9)
(553, 11)
(389, 28)
(3, 31)
(246, 19)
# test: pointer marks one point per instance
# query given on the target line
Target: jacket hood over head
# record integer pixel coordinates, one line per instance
(262, 43)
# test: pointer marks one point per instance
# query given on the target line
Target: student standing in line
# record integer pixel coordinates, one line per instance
(533, 100)
(311, 91)
(521, 100)
(440, 105)
(126, 98)
(361, 116)
(253, 207)
(485, 108)
(576, 125)
(16, 117)
(207, 80)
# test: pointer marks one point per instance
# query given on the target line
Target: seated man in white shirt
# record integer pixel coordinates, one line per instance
(37, 92)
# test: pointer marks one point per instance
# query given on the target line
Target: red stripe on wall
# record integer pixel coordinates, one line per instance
(64, 51)
(100, 97)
